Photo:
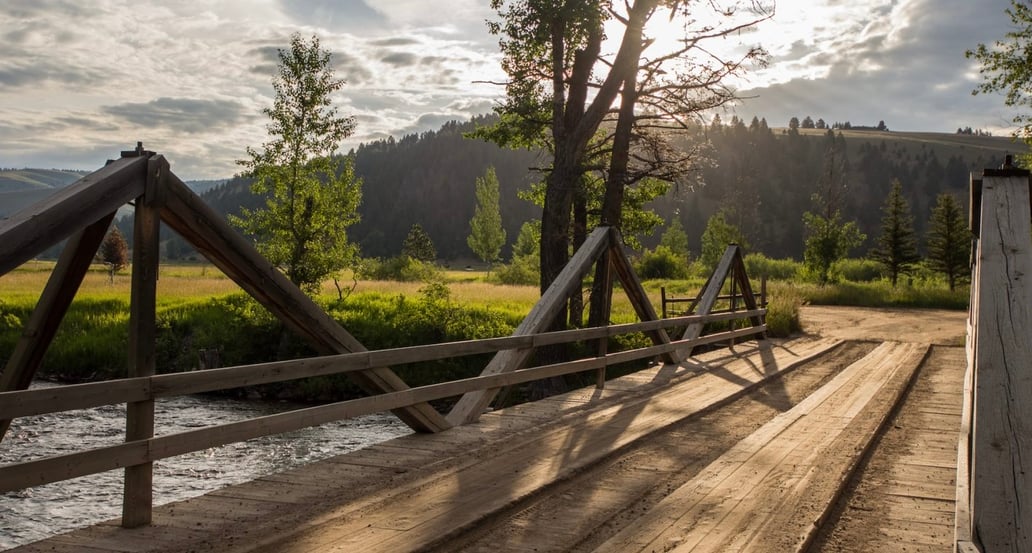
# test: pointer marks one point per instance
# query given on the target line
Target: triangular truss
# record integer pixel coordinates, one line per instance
(82, 213)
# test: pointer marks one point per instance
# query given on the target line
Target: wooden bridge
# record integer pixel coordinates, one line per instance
(814, 443)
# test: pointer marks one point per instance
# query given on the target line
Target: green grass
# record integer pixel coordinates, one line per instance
(200, 308)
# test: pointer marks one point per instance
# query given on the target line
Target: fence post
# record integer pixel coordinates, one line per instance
(1001, 437)
(137, 499)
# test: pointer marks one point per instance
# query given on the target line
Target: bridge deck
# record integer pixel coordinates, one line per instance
(418, 491)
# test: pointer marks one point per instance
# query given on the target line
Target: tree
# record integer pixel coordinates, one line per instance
(562, 88)
(949, 241)
(808, 123)
(897, 245)
(676, 239)
(793, 123)
(828, 241)
(114, 252)
(1006, 67)
(486, 235)
(718, 235)
(312, 196)
(418, 245)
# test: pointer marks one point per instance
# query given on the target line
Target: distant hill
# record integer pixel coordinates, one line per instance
(15, 180)
(762, 177)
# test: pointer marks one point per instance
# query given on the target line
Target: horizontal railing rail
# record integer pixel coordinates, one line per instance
(77, 396)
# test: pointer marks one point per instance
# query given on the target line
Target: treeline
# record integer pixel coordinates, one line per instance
(763, 179)
(426, 179)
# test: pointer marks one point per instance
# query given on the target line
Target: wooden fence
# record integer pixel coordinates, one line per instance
(160, 196)
(994, 483)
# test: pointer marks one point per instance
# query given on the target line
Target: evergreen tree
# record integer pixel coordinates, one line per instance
(949, 240)
(418, 245)
(718, 235)
(897, 245)
(486, 235)
(114, 252)
(675, 238)
(312, 197)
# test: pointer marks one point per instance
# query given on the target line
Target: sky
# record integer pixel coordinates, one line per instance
(81, 80)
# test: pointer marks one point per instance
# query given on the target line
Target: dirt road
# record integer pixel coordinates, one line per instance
(926, 326)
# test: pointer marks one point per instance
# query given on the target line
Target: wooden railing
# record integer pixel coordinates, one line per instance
(994, 465)
(137, 452)
(160, 196)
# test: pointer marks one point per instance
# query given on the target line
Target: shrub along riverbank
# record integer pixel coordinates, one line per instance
(200, 309)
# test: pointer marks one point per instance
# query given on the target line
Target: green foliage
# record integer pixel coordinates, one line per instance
(857, 270)
(718, 235)
(486, 235)
(881, 293)
(1006, 66)
(661, 262)
(783, 312)
(114, 251)
(418, 245)
(401, 268)
(312, 197)
(525, 266)
(829, 240)
(949, 241)
(676, 239)
(897, 244)
(758, 265)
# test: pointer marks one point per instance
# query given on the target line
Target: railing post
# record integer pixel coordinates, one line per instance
(1001, 437)
(137, 500)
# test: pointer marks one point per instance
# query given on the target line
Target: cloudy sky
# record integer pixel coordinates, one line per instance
(81, 80)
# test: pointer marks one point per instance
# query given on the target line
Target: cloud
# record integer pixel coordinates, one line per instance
(187, 115)
(903, 66)
(20, 73)
(395, 41)
(400, 59)
(335, 15)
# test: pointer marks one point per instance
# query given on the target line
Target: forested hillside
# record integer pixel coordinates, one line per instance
(765, 178)
(762, 177)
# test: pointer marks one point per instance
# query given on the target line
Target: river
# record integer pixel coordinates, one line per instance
(36, 513)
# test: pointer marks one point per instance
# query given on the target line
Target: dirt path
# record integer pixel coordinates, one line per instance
(926, 326)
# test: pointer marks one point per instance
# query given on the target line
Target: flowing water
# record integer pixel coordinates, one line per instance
(35, 513)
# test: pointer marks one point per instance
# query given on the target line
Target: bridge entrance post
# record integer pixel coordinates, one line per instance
(1000, 344)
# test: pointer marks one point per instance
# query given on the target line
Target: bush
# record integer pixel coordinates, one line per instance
(758, 265)
(783, 312)
(661, 262)
(401, 268)
(857, 270)
(523, 271)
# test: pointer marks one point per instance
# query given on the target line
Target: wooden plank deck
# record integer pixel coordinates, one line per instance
(770, 492)
(416, 490)
(907, 488)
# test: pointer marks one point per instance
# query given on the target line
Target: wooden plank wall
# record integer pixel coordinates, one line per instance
(1001, 463)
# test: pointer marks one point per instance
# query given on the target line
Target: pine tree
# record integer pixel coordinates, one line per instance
(897, 245)
(418, 245)
(486, 235)
(949, 241)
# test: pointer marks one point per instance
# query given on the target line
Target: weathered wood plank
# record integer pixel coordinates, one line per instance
(708, 296)
(53, 303)
(472, 404)
(137, 498)
(636, 292)
(768, 475)
(196, 222)
(91, 198)
(1001, 462)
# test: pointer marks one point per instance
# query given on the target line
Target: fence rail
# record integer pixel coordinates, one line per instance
(77, 396)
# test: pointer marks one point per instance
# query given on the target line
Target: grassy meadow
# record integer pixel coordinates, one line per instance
(199, 308)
